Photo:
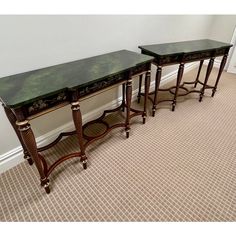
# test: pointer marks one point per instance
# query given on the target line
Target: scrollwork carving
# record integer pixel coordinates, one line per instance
(140, 69)
(46, 103)
(101, 84)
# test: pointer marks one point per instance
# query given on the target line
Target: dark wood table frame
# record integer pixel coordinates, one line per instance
(182, 59)
(19, 118)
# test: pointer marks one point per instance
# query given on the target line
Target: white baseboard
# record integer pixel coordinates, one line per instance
(15, 156)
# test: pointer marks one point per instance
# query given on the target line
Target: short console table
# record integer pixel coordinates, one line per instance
(28, 95)
(181, 53)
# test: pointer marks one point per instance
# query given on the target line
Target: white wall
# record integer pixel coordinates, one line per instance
(32, 42)
(222, 27)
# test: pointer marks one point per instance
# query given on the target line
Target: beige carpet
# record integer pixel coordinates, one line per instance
(179, 166)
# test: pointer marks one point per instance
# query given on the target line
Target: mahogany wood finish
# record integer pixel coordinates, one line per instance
(182, 53)
(12, 118)
(157, 84)
(28, 138)
(77, 118)
(140, 87)
(28, 141)
(123, 97)
(209, 69)
(147, 86)
(128, 102)
(179, 78)
(20, 112)
(58, 139)
(198, 73)
(222, 65)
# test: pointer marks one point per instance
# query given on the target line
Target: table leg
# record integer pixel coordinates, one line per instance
(128, 103)
(30, 143)
(139, 87)
(147, 86)
(123, 97)
(12, 118)
(209, 69)
(198, 73)
(157, 84)
(179, 78)
(77, 118)
(222, 65)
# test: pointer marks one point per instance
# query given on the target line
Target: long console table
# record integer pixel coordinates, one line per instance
(181, 53)
(28, 95)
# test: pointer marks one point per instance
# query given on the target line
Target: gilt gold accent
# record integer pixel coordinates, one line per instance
(75, 103)
(21, 123)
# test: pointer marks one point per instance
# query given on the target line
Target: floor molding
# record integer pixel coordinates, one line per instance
(15, 156)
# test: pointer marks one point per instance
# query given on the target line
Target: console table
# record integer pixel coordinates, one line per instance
(181, 53)
(28, 95)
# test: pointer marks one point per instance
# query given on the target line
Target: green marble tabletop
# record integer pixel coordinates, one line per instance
(183, 47)
(21, 89)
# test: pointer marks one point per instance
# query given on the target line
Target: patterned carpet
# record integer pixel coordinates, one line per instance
(179, 166)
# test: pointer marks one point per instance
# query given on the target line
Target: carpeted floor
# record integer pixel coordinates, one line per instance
(179, 166)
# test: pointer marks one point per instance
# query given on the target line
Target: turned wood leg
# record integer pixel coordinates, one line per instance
(12, 118)
(198, 73)
(30, 143)
(147, 86)
(139, 87)
(77, 118)
(179, 78)
(222, 65)
(123, 97)
(128, 103)
(157, 84)
(208, 72)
